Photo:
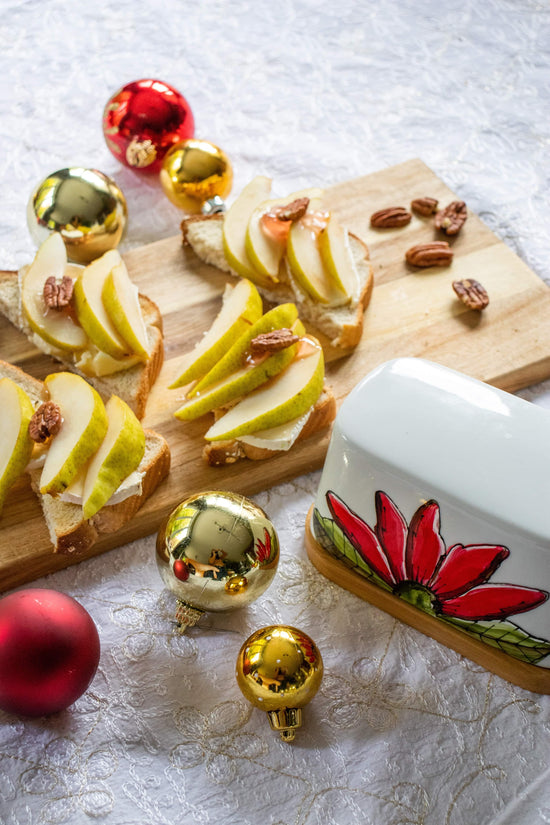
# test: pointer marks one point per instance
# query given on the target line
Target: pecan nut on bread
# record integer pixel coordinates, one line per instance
(295, 251)
(125, 469)
(91, 319)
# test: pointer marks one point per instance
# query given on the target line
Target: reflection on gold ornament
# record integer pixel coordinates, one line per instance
(194, 172)
(85, 206)
(279, 670)
(217, 551)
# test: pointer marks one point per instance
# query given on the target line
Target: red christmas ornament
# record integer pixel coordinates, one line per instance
(143, 120)
(49, 652)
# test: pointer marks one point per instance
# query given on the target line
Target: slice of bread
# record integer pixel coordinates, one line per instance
(132, 385)
(343, 325)
(69, 532)
(218, 453)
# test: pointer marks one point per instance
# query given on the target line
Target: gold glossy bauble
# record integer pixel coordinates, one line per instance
(85, 206)
(193, 172)
(279, 670)
(216, 551)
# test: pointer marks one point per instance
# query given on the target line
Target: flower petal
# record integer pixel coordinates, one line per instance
(361, 536)
(465, 567)
(425, 546)
(493, 601)
(391, 530)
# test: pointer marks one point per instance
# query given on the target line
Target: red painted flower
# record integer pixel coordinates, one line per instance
(263, 549)
(414, 562)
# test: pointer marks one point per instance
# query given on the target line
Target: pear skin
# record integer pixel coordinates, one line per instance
(16, 445)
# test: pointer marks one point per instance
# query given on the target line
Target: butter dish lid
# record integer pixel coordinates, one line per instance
(483, 447)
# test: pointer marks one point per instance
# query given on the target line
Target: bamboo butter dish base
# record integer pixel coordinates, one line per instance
(431, 505)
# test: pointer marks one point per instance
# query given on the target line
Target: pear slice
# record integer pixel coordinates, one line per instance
(235, 224)
(84, 424)
(264, 251)
(121, 300)
(239, 383)
(285, 397)
(241, 307)
(305, 261)
(279, 317)
(55, 327)
(336, 255)
(15, 445)
(88, 292)
(119, 455)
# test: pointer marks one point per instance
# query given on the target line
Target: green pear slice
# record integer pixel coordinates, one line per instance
(264, 251)
(279, 317)
(235, 224)
(55, 327)
(15, 445)
(241, 307)
(119, 455)
(121, 301)
(239, 383)
(336, 255)
(285, 397)
(88, 295)
(84, 424)
(305, 261)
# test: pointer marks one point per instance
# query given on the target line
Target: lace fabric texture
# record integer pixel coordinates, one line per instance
(403, 730)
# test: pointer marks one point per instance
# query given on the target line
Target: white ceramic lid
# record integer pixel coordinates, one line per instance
(483, 447)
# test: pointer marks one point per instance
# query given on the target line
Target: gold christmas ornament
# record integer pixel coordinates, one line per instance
(85, 206)
(279, 670)
(217, 551)
(196, 176)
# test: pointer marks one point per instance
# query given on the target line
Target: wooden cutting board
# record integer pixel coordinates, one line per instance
(412, 312)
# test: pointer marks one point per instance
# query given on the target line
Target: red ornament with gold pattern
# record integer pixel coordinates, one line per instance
(143, 120)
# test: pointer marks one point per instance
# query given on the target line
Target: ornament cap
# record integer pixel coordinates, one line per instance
(213, 206)
(285, 721)
(187, 616)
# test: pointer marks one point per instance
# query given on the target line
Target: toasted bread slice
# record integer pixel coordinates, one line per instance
(69, 532)
(132, 385)
(218, 453)
(343, 325)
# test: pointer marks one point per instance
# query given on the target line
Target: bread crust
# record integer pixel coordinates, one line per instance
(132, 385)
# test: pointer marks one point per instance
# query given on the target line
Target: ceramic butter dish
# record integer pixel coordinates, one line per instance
(434, 504)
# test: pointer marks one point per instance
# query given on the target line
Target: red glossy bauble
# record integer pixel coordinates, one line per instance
(143, 120)
(49, 651)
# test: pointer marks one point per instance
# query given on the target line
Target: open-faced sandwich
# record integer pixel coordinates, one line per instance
(92, 319)
(295, 251)
(91, 464)
(260, 375)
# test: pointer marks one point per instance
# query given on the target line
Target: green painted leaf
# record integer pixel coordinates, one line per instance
(332, 539)
(505, 636)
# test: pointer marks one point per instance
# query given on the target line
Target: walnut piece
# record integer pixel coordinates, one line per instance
(471, 293)
(45, 422)
(273, 341)
(292, 211)
(437, 253)
(424, 206)
(58, 294)
(391, 217)
(451, 219)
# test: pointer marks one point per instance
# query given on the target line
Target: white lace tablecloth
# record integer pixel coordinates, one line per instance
(403, 730)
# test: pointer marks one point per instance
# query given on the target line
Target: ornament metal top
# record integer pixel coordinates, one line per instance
(217, 551)
(279, 670)
(85, 206)
(196, 175)
(143, 120)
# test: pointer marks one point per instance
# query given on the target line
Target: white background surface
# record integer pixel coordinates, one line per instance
(403, 731)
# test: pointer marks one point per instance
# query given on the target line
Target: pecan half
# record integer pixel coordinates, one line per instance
(45, 422)
(471, 293)
(292, 211)
(424, 206)
(390, 217)
(273, 341)
(437, 253)
(58, 294)
(451, 219)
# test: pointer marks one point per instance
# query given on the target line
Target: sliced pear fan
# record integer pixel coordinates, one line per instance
(121, 300)
(287, 396)
(235, 224)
